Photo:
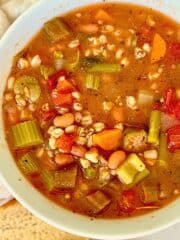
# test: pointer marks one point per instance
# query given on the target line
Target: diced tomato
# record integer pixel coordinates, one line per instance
(145, 34)
(173, 138)
(65, 142)
(62, 100)
(171, 104)
(53, 79)
(174, 51)
(127, 201)
(65, 87)
(47, 115)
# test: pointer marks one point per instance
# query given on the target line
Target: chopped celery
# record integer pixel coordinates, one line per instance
(62, 179)
(154, 127)
(92, 81)
(58, 55)
(46, 71)
(73, 66)
(28, 87)
(48, 179)
(150, 192)
(135, 140)
(139, 177)
(163, 151)
(98, 201)
(28, 164)
(88, 62)
(105, 68)
(26, 134)
(136, 162)
(130, 169)
(145, 97)
(66, 178)
(89, 173)
(55, 30)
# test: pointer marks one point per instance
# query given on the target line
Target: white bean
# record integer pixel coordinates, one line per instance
(64, 121)
(35, 61)
(98, 126)
(77, 106)
(70, 129)
(22, 63)
(151, 154)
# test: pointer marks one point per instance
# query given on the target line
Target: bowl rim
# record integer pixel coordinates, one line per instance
(22, 189)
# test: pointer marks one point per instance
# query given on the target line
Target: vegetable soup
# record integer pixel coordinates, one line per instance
(92, 110)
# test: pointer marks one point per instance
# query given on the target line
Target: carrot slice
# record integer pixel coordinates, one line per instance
(108, 139)
(158, 48)
(103, 16)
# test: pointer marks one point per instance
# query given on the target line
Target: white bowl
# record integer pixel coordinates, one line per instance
(14, 40)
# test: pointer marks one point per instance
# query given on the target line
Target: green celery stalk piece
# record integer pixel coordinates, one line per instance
(66, 179)
(130, 169)
(30, 83)
(74, 65)
(26, 134)
(98, 201)
(55, 30)
(105, 68)
(46, 71)
(163, 159)
(150, 192)
(92, 82)
(28, 164)
(48, 179)
(154, 127)
(139, 177)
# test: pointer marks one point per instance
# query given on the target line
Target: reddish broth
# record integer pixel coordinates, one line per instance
(109, 108)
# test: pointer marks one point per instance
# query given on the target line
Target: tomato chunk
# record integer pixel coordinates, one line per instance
(127, 201)
(47, 115)
(173, 138)
(65, 86)
(174, 51)
(170, 105)
(53, 79)
(65, 142)
(145, 34)
(62, 100)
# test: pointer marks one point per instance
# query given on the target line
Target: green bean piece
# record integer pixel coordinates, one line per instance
(105, 68)
(154, 127)
(163, 151)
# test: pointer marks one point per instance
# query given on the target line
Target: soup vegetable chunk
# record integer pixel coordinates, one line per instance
(92, 110)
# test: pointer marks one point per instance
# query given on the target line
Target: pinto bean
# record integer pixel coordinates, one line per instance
(78, 150)
(116, 159)
(63, 159)
(64, 120)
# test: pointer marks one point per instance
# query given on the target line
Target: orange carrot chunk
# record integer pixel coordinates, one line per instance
(108, 139)
(158, 48)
